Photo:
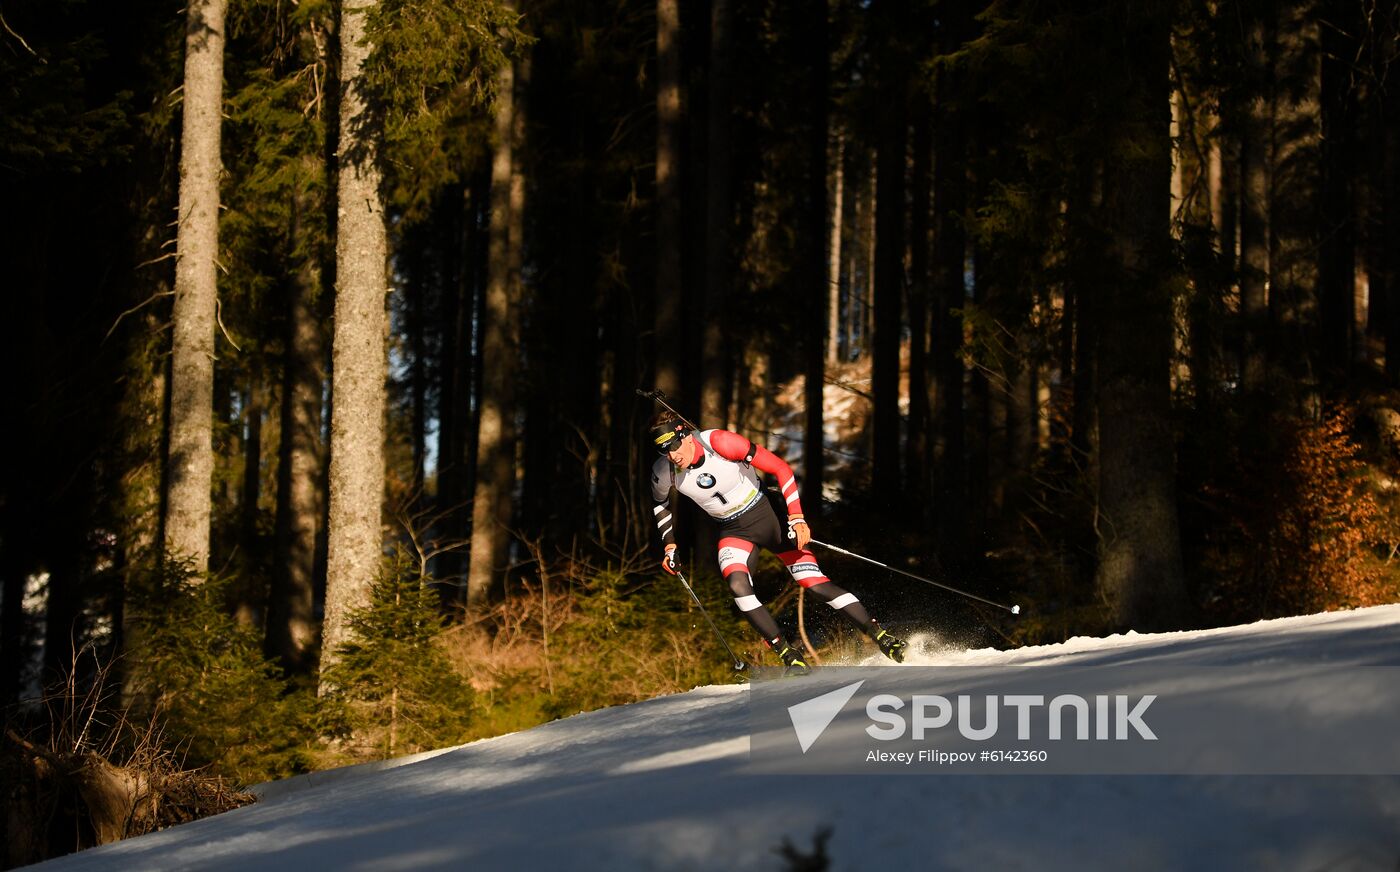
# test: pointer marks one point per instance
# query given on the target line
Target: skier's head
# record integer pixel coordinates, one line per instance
(668, 433)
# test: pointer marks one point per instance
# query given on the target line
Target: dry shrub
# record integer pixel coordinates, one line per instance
(85, 774)
(514, 636)
(1302, 528)
(580, 636)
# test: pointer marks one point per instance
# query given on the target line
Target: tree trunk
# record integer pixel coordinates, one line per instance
(865, 312)
(190, 467)
(858, 264)
(1062, 397)
(1140, 573)
(1293, 214)
(813, 280)
(141, 495)
(719, 208)
(916, 437)
(947, 485)
(455, 397)
(621, 491)
(719, 215)
(291, 620)
(891, 147)
(1339, 161)
(250, 592)
(833, 254)
(14, 575)
(696, 37)
(69, 573)
(1254, 206)
(1389, 221)
(1224, 192)
(669, 129)
(226, 436)
(1022, 419)
(960, 528)
(495, 464)
(417, 327)
(358, 354)
(1229, 225)
(1196, 226)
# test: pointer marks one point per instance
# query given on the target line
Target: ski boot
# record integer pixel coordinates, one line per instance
(794, 663)
(891, 646)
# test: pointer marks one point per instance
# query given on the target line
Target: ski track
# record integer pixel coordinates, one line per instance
(661, 784)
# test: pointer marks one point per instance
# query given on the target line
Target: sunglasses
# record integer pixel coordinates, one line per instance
(670, 444)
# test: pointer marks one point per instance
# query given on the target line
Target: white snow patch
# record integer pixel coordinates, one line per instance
(662, 785)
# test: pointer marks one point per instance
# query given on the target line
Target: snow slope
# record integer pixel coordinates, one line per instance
(661, 785)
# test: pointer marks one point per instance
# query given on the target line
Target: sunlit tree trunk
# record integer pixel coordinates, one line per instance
(358, 363)
(865, 312)
(1224, 191)
(833, 253)
(190, 464)
(1197, 215)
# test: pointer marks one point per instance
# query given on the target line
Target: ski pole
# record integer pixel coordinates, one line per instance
(1013, 609)
(739, 665)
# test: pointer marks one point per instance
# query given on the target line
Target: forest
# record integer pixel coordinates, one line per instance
(327, 326)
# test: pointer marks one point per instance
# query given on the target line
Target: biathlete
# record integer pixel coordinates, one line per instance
(716, 470)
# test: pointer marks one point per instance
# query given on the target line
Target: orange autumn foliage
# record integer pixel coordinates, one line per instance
(1303, 529)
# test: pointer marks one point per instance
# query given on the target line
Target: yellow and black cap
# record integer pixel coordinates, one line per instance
(667, 435)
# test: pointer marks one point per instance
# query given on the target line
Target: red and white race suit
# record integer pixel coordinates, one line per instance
(724, 482)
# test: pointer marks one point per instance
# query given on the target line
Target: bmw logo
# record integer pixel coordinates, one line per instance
(705, 480)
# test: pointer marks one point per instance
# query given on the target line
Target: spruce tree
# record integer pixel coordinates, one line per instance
(397, 690)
